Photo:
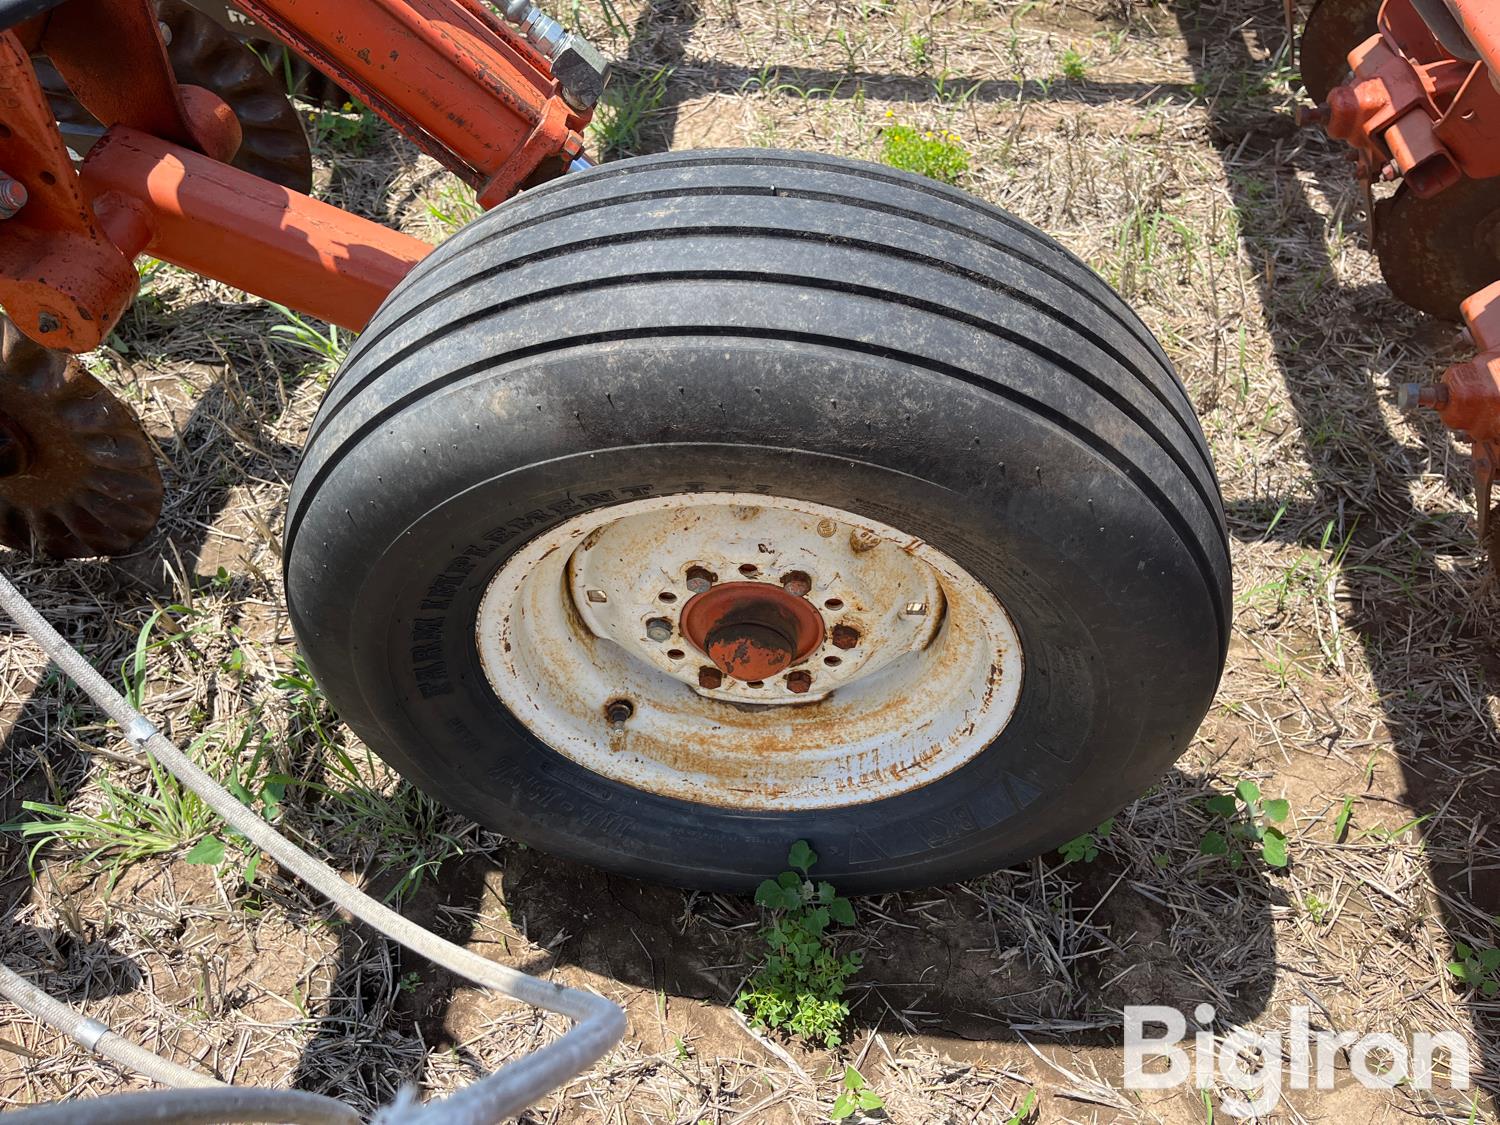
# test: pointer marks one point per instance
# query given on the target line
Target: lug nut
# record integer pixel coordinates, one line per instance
(845, 636)
(796, 583)
(710, 677)
(798, 682)
(617, 712)
(12, 196)
(861, 540)
(659, 629)
(699, 579)
(1390, 171)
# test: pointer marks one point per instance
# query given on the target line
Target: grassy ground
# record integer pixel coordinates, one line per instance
(1154, 140)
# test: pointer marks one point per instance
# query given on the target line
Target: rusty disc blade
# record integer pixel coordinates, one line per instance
(79, 476)
(1435, 252)
(274, 145)
(1333, 29)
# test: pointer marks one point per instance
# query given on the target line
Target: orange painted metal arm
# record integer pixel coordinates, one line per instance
(453, 79)
(177, 205)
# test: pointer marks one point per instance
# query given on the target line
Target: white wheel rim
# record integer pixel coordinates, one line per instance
(570, 637)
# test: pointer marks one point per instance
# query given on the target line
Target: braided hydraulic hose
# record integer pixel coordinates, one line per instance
(598, 1025)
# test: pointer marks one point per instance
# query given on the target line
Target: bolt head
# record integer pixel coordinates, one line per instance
(799, 682)
(796, 583)
(699, 579)
(845, 636)
(659, 629)
(710, 678)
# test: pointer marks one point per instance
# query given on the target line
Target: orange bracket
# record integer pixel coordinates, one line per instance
(61, 280)
(1411, 108)
(1468, 398)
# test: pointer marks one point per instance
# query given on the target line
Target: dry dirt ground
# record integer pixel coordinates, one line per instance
(1152, 139)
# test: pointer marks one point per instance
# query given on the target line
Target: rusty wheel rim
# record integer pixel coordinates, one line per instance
(749, 651)
(1436, 252)
(274, 145)
(1333, 29)
(79, 475)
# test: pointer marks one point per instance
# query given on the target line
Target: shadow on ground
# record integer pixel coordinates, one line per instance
(1364, 479)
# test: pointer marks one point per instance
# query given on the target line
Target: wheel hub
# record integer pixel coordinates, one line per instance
(839, 660)
(752, 630)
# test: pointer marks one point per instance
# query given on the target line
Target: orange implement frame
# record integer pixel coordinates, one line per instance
(1422, 104)
(447, 73)
(450, 76)
(1413, 109)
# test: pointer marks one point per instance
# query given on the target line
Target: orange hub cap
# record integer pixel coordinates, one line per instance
(752, 630)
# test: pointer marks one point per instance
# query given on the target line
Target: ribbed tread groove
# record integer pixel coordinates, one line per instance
(861, 169)
(335, 405)
(1101, 298)
(1098, 386)
(1061, 421)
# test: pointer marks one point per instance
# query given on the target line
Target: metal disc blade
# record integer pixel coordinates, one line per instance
(1435, 252)
(78, 475)
(1333, 29)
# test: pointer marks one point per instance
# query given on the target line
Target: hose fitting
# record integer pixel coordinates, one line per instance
(577, 65)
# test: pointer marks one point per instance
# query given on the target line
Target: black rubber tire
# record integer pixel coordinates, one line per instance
(767, 321)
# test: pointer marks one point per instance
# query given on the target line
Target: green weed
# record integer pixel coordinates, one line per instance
(410, 833)
(351, 129)
(454, 205)
(854, 1095)
(131, 824)
(801, 984)
(1024, 1111)
(1085, 848)
(939, 156)
(1249, 823)
(326, 345)
(625, 110)
(918, 51)
(1075, 67)
(1341, 822)
(1478, 969)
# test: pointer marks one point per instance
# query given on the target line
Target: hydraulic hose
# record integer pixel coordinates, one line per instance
(598, 1023)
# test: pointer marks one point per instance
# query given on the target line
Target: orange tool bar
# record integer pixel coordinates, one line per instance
(158, 198)
(460, 86)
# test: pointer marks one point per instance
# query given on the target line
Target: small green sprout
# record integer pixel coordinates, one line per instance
(1085, 848)
(1479, 969)
(1249, 822)
(854, 1094)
